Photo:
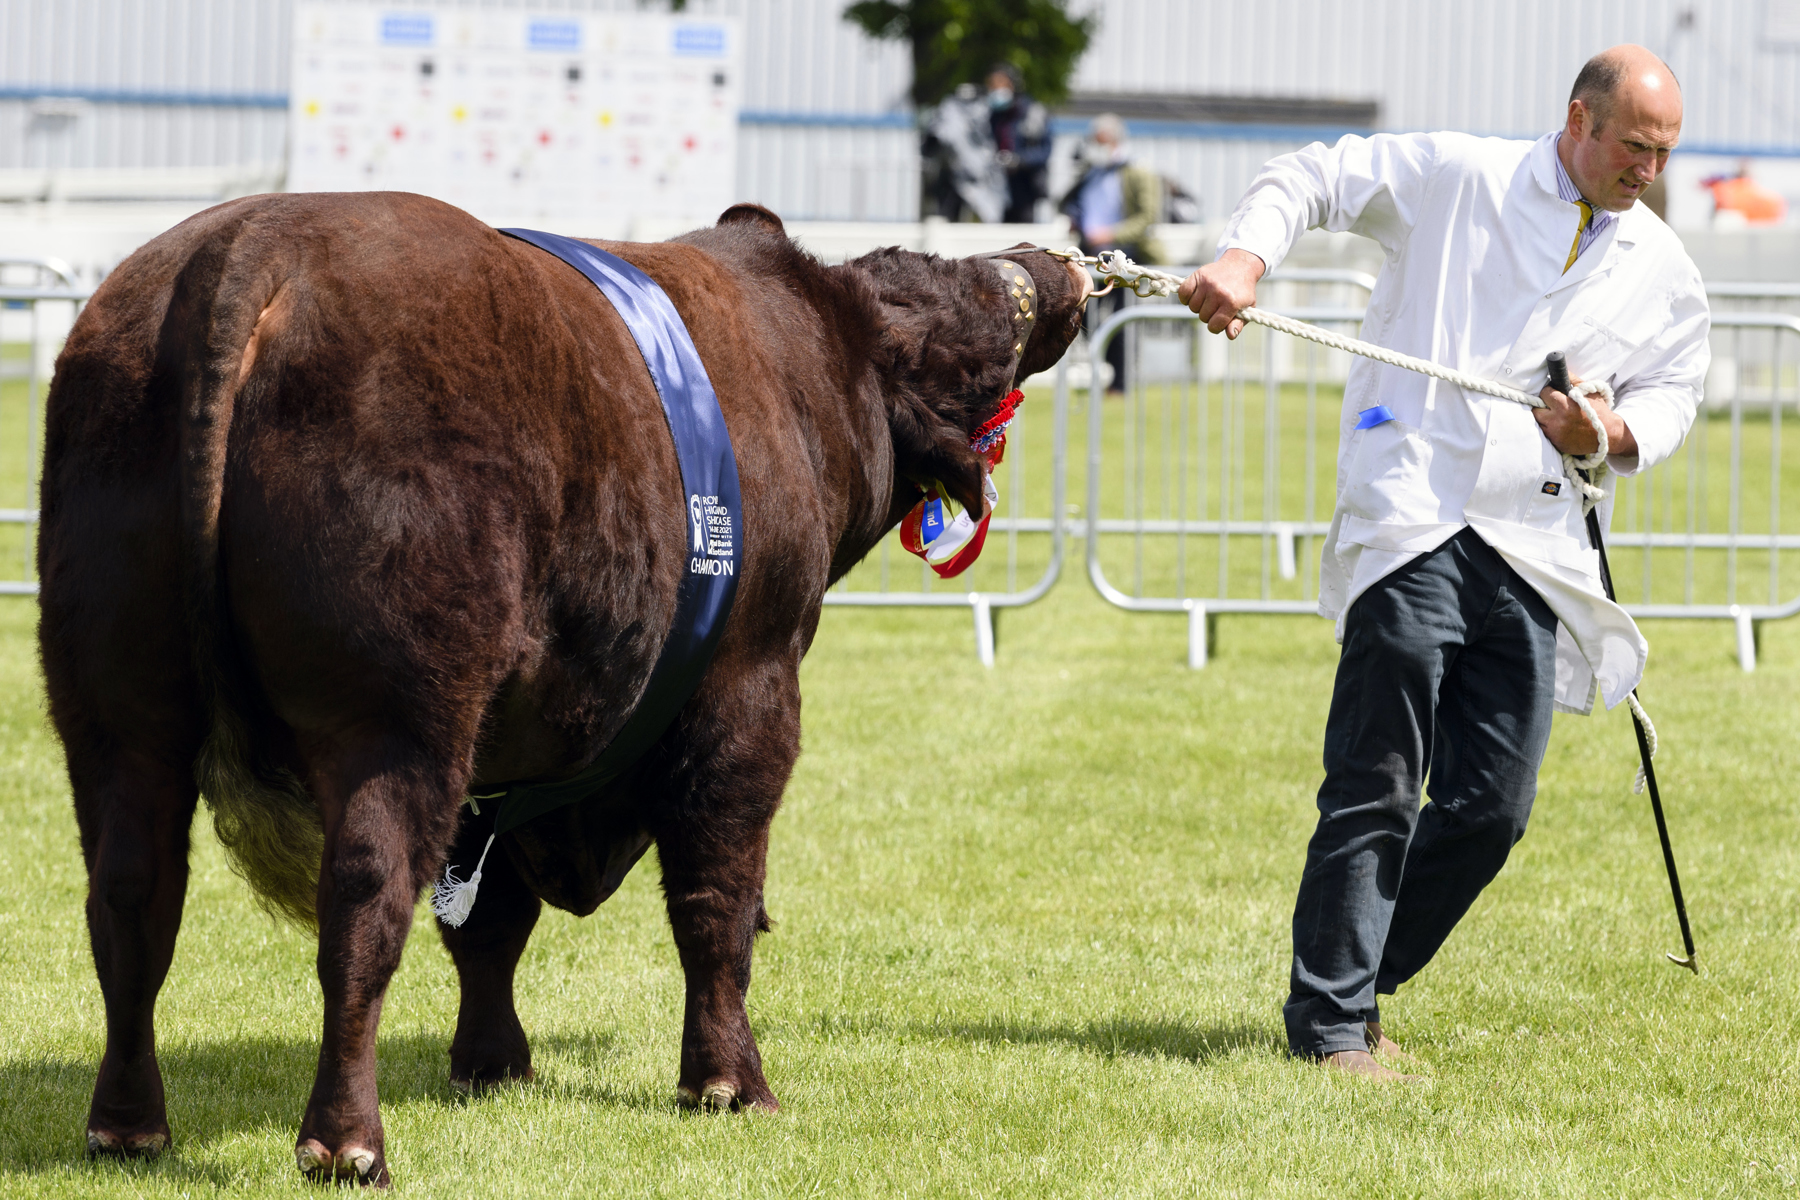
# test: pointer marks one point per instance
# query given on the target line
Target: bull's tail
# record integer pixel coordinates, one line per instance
(265, 818)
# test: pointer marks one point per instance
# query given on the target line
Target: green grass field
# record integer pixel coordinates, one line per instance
(1032, 925)
(1031, 940)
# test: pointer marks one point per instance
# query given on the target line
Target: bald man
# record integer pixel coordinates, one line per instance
(1468, 602)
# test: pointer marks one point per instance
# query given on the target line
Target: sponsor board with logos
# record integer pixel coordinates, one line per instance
(558, 118)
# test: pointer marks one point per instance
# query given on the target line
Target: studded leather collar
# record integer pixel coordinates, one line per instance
(1022, 295)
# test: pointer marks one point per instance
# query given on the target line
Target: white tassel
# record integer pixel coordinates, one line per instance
(452, 898)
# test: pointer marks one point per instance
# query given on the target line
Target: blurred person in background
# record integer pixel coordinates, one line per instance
(963, 178)
(1021, 131)
(1112, 206)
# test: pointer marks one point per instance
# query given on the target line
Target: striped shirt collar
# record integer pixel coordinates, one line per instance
(1566, 189)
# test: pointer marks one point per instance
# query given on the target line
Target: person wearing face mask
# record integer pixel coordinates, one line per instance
(962, 177)
(1021, 131)
(1113, 206)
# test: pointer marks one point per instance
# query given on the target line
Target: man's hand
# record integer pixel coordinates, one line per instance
(1570, 432)
(1219, 291)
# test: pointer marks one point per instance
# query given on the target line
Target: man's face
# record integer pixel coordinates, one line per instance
(1614, 164)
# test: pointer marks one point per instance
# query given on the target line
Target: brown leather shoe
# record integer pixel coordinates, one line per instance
(1362, 1063)
(1383, 1046)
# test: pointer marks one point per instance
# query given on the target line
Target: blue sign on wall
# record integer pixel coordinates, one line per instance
(407, 29)
(701, 41)
(549, 34)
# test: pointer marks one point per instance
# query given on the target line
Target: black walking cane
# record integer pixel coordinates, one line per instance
(1559, 379)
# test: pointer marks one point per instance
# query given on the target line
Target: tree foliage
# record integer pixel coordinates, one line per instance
(956, 41)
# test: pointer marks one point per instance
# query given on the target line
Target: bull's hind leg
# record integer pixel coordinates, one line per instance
(490, 1045)
(387, 811)
(134, 813)
(119, 677)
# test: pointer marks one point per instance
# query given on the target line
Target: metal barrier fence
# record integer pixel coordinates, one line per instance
(1171, 468)
(1033, 520)
(1023, 557)
(1210, 484)
(1209, 493)
(38, 303)
(1719, 509)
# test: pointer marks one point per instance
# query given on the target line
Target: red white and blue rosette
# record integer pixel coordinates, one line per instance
(941, 531)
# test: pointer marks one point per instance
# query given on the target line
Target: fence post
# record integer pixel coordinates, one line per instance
(1196, 615)
(1746, 637)
(1284, 549)
(984, 627)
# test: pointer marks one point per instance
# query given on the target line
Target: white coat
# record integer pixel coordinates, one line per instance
(1476, 237)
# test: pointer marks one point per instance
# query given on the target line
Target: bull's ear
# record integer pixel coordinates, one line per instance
(927, 447)
(752, 213)
(963, 481)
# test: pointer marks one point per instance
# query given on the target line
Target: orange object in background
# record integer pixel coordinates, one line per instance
(1742, 194)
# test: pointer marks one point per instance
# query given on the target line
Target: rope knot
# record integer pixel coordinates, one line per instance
(1586, 471)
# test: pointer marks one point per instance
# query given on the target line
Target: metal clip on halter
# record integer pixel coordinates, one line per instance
(1074, 255)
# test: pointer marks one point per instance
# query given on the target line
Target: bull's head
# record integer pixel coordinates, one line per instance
(953, 344)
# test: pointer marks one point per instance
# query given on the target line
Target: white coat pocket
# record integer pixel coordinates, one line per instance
(1387, 474)
(1555, 507)
(1601, 347)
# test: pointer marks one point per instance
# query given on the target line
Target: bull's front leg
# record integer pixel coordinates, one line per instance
(381, 806)
(714, 889)
(134, 813)
(743, 741)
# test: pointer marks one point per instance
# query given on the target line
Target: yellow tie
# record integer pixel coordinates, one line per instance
(1587, 215)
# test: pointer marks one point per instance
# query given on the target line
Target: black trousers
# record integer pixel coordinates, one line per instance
(1449, 664)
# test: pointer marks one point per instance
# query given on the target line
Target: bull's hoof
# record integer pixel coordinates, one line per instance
(353, 1164)
(482, 1082)
(721, 1096)
(147, 1144)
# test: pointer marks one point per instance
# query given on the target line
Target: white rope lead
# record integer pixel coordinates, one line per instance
(1148, 282)
(1584, 472)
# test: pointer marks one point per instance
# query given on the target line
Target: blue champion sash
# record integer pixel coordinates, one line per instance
(709, 481)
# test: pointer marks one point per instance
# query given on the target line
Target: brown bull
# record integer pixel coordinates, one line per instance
(352, 506)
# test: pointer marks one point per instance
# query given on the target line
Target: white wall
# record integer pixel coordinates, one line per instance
(1502, 68)
(1493, 68)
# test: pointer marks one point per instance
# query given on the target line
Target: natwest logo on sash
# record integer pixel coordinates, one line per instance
(714, 539)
